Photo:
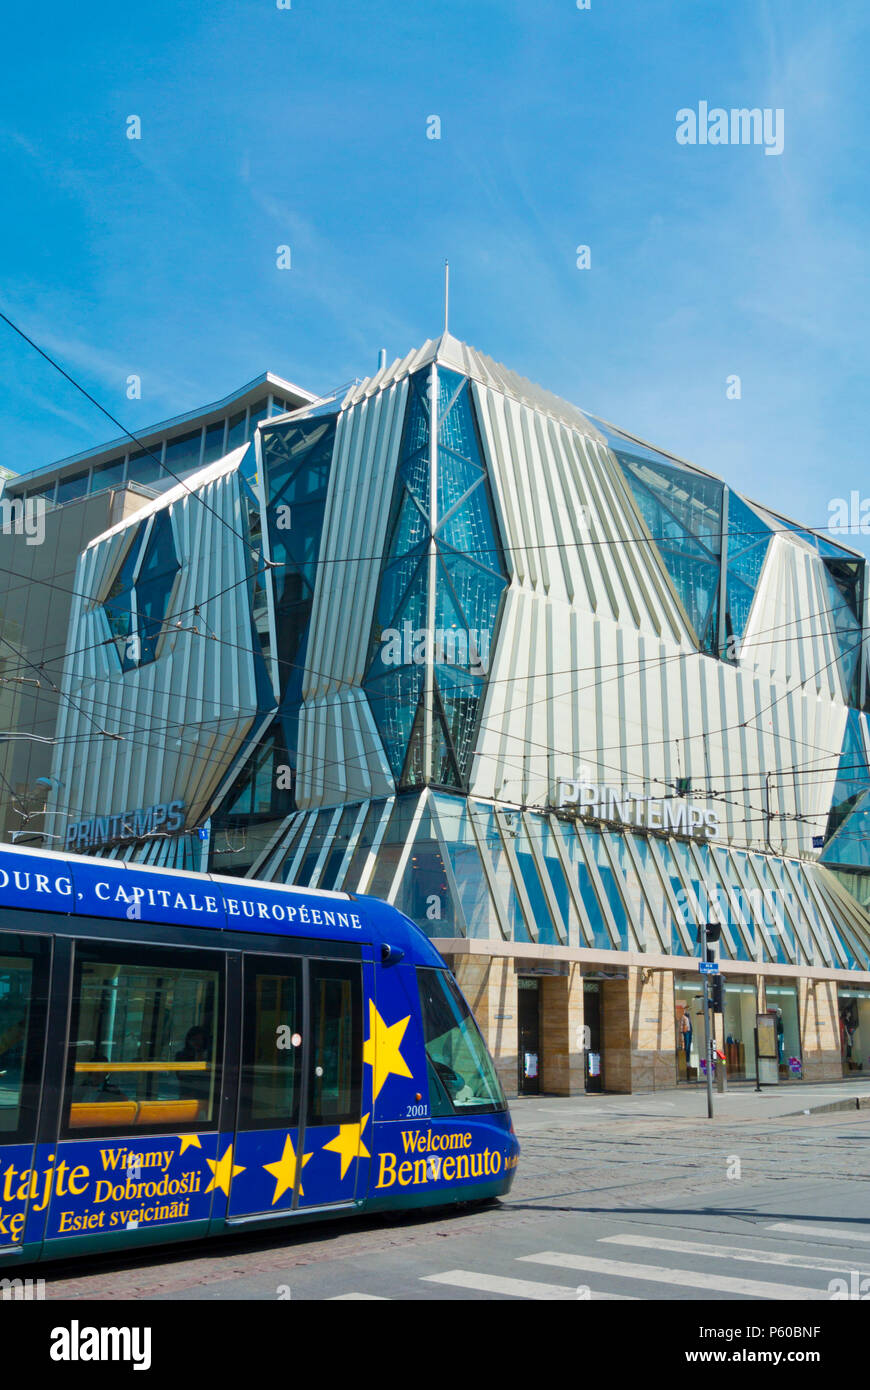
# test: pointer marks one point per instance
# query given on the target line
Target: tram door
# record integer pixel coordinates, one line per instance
(529, 1035)
(302, 1126)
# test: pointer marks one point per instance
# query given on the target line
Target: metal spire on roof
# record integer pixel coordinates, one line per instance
(446, 294)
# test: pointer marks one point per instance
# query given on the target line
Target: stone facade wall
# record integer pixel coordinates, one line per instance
(563, 1070)
(653, 1030)
(638, 1037)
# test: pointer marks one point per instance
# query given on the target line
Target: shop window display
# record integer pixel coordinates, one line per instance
(689, 1014)
(739, 1026)
(782, 1001)
(734, 1031)
(854, 1009)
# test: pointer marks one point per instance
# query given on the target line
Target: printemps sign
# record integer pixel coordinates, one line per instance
(673, 815)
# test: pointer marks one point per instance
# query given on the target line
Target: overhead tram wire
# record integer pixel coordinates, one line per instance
(169, 627)
(620, 667)
(323, 766)
(192, 492)
(647, 540)
(494, 550)
(531, 743)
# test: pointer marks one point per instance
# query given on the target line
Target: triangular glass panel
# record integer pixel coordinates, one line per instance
(477, 591)
(457, 431)
(393, 699)
(455, 477)
(414, 473)
(460, 695)
(697, 583)
(853, 773)
(410, 528)
(445, 771)
(850, 845)
(692, 500)
(844, 599)
(469, 529)
(414, 771)
(416, 434)
(403, 583)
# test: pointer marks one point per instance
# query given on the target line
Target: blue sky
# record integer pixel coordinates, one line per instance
(307, 127)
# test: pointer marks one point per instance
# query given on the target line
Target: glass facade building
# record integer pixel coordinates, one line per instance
(455, 643)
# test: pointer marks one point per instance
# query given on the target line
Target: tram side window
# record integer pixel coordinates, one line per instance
(23, 984)
(464, 1074)
(272, 1044)
(145, 1040)
(336, 1051)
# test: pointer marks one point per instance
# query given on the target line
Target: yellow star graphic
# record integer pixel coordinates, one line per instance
(284, 1171)
(188, 1141)
(381, 1051)
(348, 1143)
(223, 1170)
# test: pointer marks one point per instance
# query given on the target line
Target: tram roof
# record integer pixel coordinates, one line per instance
(84, 886)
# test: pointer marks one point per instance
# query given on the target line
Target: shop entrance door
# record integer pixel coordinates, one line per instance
(592, 1020)
(529, 1035)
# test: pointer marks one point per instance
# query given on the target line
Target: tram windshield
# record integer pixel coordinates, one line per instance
(461, 1072)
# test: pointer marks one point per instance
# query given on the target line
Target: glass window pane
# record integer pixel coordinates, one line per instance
(271, 1048)
(145, 1040)
(454, 1047)
(340, 842)
(336, 1052)
(23, 986)
(182, 453)
(543, 921)
(363, 847)
(259, 411)
(236, 431)
(459, 838)
(145, 466)
(46, 491)
(68, 489)
(600, 936)
(497, 859)
(108, 475)
(214, 442)
(314, 847)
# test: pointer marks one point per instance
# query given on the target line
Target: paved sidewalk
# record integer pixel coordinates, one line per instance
(740, 1102)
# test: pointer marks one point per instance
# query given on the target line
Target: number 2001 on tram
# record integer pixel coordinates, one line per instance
(185, 1055)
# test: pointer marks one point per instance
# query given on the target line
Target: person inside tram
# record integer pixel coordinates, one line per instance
(194, 1085)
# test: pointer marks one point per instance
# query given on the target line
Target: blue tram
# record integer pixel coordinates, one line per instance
(185, 1055)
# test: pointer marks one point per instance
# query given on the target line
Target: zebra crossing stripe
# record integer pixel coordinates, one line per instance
(515, 1288)
(681, 1278)
(736, 1252)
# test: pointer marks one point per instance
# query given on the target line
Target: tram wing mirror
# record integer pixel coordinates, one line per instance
(391, 955)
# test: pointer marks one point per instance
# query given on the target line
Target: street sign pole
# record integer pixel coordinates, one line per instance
(707, 1048)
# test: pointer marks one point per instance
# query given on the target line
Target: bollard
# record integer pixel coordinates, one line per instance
(721, 1077)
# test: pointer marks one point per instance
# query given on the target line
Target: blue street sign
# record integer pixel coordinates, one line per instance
(818, 842)
(708, 967)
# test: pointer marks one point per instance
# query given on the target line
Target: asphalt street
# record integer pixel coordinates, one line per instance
(615, 1198)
